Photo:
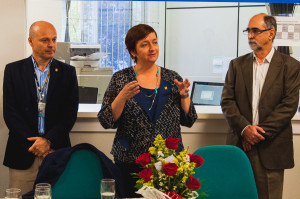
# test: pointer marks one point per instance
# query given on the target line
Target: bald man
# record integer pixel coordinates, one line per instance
(259, 99)
(40, 103)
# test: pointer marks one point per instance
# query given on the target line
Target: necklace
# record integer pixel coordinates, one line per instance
(155, 90)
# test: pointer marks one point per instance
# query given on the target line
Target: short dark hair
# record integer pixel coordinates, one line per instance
(135, 34)
(270, 22)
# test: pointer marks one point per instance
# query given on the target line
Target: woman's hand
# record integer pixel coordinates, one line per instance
(129, 90)
(183, 87)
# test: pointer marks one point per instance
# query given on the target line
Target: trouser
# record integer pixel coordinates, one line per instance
(269, 182)
(24, 179)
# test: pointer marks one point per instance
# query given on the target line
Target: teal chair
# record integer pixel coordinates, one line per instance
(225, 174)
(81, 177)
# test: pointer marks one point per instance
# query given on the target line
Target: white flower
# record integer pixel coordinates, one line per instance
(160, 176)
(170, 159)
(160, 154)
(158, 166)
(186, 158)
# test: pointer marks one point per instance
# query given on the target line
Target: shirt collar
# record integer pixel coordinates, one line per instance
(36, 66)
(268, 58)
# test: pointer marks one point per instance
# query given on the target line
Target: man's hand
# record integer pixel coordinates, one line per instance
(251, 134)
(40, 146)
(50, 151)
(246, 146)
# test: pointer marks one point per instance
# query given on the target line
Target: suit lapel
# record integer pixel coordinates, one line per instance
(273, 70)
(247, 70)
(54, 70)
(29, 75)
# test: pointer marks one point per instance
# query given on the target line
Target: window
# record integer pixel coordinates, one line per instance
(105, 23)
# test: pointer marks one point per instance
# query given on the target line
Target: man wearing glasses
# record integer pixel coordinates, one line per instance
(259, 99)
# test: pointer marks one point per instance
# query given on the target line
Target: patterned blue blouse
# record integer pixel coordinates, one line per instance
(137, 128)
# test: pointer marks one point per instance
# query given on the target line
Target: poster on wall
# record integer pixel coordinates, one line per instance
(221, 65)
(288, 31)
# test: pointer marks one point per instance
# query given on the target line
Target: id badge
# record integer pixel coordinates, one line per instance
(42, 108)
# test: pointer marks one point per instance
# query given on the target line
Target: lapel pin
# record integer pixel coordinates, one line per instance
(56, 69)
(166, 87)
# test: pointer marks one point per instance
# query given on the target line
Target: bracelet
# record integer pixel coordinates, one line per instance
(184, 96)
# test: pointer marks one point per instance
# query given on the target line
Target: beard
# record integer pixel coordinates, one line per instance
(254, 45)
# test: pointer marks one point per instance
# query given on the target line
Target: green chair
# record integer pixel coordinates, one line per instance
(81, 177)
(225, 174)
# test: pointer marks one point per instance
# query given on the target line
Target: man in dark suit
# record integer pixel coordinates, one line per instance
(40, 103)
(259, 99)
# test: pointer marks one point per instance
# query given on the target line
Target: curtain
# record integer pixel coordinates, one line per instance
(67, 34)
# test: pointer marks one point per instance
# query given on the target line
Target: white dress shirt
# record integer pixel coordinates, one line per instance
(260, 71)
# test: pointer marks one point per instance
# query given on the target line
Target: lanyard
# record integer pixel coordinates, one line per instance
(39, 88)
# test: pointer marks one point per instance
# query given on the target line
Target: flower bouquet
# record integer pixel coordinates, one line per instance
(170, 173)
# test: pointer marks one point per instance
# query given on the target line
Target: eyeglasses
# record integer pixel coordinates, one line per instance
(254, 31)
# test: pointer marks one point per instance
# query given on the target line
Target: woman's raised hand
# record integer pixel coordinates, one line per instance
(130, 90)
(183, 87)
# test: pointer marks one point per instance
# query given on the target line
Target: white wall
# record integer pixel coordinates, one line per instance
(12, 39)
(51, 11)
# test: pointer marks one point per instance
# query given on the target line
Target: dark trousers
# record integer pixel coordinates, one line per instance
(128, 179)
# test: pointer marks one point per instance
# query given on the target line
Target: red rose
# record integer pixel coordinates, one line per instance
(146, 174)
(144, 159)
(170, 169)
(172, 143)
(197, 159)
(193, 183)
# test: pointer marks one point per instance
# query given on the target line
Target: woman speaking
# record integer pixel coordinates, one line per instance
(143, 101)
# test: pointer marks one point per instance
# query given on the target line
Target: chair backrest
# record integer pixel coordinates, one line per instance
(81, 177)
(226, 173)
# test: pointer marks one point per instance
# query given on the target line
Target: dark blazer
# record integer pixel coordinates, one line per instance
(277, 106)
(55, 163)
(136, 132)
(20, 109)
